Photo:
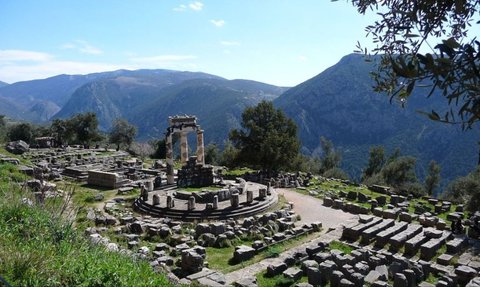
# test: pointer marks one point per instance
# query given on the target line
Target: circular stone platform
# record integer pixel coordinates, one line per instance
(201, 211)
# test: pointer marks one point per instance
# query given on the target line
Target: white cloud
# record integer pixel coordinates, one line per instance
(218, 23)
(20, 65)
(7, 56)
(162, 58)
(229, 43)
(83, 47)
(197, 6)
(40, 70)
(180, 8)
(302, 58)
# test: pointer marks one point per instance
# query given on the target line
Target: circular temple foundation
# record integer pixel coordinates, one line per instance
(232, 202)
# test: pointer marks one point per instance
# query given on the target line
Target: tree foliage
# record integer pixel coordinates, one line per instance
(86, 128)
(399, 172)
(376, 161)
(330, 160)
(465, 190)
(21, 131)
(267, 140)
(432, 179)
(122, 133)
(79, 129)
(212, 154)
(405, 37)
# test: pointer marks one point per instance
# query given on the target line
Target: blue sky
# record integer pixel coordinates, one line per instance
(278, 42)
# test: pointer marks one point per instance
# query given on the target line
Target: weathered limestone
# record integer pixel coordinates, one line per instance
(183, 125)
(262, 193)
(369, 234)
(383, 237)
(352, 233)
(104, 179)
(249, 196)
(412, 245)
(397, 241)
(169, 159)
(465, 274)
(234, 200)
(200, 148)
(293, 273)
(144, 193)
(457, 244)
(429, 248)
(156, 199)
(243, 253)
(191, 203)
(192, 262)
(215, 202)
(183, 148)
(170, 201)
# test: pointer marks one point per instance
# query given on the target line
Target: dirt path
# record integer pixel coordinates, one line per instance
(311, 210)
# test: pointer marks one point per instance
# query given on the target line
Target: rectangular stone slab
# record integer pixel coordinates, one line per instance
(399, 239)
(430, 248)
(369, 234)
(383, 237)
(413, 244)
(352, 233)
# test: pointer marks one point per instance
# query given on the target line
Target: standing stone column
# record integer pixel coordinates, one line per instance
(170, 176)
(144, 193)
(234, 200)
(150, 185)
(269, 188)
(156, 199)
(170, 201)
(183, 147)
(191, 203)
(249, 196)
(200, 148)
(215, 202)
(262, 193)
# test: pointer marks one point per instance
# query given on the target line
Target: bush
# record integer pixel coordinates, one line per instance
(53, 253)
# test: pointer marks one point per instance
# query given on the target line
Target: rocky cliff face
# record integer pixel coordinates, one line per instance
(339, 104)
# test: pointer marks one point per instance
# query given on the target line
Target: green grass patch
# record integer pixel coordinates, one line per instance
(345, 248)
(53, 253)
(238, 172)
(220, 258)
(432, 279)
(276, 281)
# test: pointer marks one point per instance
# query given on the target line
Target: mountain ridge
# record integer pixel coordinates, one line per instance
(340, 105)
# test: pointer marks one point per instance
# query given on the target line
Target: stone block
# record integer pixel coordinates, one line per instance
(400, 280)
(293, 273)
(346, 283)
(465, 274)
(243, 253)
(413, 245)
(454, 246)
(383, 237)
(327, 201)
(444, 259)
(276, 269)
(430, 248)
(192, 262)
(353, 233)
(399, 239)
(314, 277)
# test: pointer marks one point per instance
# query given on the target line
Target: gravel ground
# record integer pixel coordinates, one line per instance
(311, 209)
